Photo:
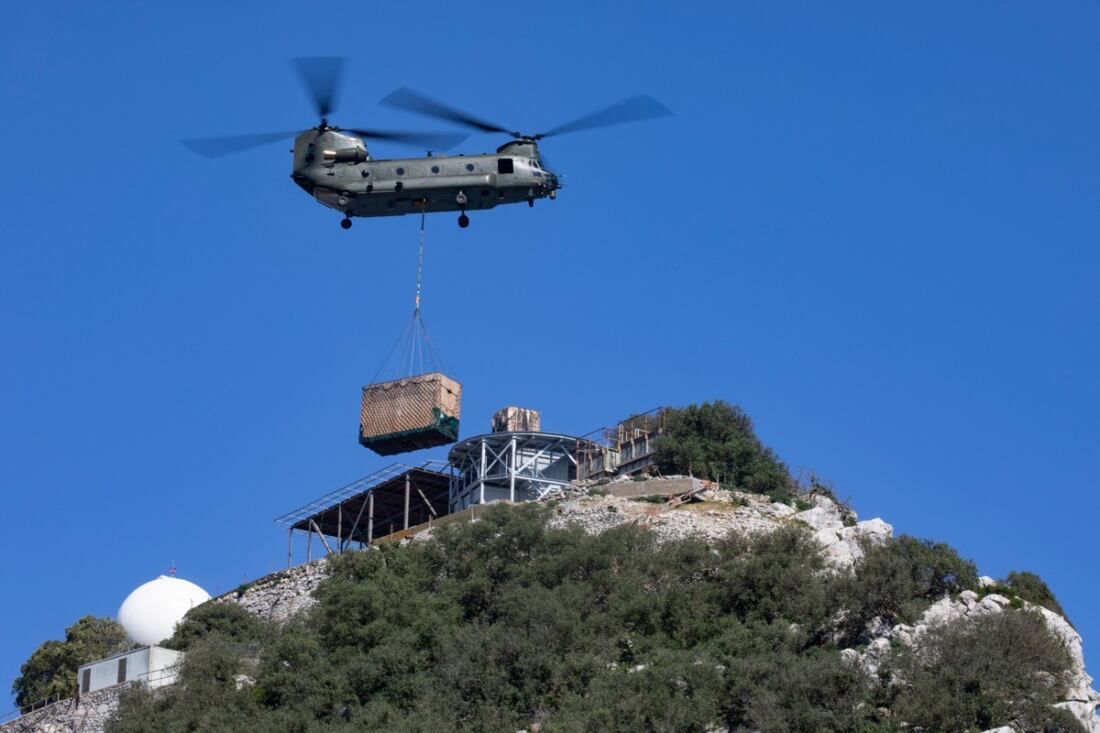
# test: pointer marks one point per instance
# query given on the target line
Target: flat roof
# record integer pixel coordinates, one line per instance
(345, 513)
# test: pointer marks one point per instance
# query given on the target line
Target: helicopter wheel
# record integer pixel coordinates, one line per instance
(346, 223)
(463, 220)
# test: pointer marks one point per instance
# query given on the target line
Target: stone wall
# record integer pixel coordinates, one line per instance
(281, 595)
(87, 715)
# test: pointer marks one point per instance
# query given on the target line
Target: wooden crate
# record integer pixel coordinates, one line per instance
(410, 414)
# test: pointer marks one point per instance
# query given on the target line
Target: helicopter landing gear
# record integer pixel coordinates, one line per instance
(345, 222)
(463, 220)
(531, 203)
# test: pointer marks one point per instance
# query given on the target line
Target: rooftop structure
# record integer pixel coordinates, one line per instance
(511, 466)
(627, 448)
(151, 665)
(387, 501)
(516, 419)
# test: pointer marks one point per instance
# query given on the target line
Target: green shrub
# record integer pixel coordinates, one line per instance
(1030, 587)
(716, 441)
(898, 579)
(981, 673)
(228, 620)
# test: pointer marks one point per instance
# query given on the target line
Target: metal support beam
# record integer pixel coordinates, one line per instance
(481, 488)
(309, 545)
(427, 503)
(355, 527)
(290, 547)
(512, 471)
(340, 526)
(321, 535)
(406, 501)
(370, 518)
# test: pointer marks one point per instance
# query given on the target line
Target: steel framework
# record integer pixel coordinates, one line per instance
(512, 466)
(389, 500)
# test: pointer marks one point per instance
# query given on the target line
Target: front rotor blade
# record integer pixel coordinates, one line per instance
(636, 108)
(321, 77)
(429, 140)
(215, 147)
(410, 101)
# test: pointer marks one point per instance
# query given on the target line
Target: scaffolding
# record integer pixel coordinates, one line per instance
(515, 466)
(627, 448)
(387, 501)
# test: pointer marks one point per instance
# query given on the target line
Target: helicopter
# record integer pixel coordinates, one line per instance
(333, 165)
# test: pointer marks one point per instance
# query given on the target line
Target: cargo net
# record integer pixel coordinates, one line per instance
(417, 405)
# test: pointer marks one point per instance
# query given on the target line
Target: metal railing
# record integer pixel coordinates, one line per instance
(156, 678)
(34, 707)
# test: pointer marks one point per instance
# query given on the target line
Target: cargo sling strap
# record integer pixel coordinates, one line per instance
(413, 352)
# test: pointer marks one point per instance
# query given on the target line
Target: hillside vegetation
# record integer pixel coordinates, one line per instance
(50, 672)
(505, 624)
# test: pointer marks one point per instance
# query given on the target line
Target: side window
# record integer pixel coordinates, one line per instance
(122, 670)
(85, 680)
(504, 165)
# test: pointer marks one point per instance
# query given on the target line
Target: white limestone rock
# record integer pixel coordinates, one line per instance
(780, 510)
(823, 515)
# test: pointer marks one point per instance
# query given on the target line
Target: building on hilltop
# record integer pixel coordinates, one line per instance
(627, 449)
(153, 666)
(514, 462)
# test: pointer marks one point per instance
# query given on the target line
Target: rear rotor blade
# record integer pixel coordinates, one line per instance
(321, 77)
(411, 101)
(429, 140)
(636, 108)
(215, 147)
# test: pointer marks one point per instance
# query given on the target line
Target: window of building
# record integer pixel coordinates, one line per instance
(400, 171)
(435, 169)
(85, 681)
(470, 167)
(122, 670)
(504, 165)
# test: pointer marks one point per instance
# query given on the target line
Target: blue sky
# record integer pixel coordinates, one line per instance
(872, 225)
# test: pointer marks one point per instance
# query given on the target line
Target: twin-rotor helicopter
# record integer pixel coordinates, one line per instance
(333, 165)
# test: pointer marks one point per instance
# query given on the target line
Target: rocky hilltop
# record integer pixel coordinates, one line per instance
(712, 514)
(674, 514)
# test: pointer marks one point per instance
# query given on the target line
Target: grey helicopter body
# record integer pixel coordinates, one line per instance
(334, 166)
(338, 171)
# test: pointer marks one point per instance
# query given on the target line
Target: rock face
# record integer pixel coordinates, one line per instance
(721, 512)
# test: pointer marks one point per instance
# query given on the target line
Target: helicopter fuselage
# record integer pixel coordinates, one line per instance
(337, 170)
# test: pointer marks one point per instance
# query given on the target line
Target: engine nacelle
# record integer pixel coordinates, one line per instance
(344, 155)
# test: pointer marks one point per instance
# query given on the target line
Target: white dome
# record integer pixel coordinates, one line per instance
(151, 612)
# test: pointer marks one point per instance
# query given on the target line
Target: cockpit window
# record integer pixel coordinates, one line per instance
(504, 165)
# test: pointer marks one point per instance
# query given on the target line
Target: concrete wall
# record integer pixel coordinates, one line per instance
(653, 487)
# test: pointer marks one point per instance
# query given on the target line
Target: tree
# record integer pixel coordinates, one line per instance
(715, 440)
(1033, 589)
(980, 673)
(51, 669)
(898, 579)
(228, 620)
